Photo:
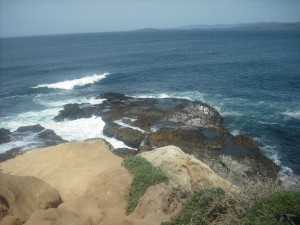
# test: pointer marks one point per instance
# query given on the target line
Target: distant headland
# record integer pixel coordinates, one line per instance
(238, 26)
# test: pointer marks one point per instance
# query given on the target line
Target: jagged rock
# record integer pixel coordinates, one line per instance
(40, 136)
(113, 96)
(246, 141)
(144, 148)
(195, 127)
(34, 128)
(9, 154)
(22, 195)
(4, 135)
(50, 138)
(131, 137)
(192, 140)
(76, 111)
(183, 170)
(197, 114)
(124, 152)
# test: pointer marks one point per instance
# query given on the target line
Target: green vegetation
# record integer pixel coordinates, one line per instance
(215, 206)
(144, 176)
(208, 206)
(278, 208)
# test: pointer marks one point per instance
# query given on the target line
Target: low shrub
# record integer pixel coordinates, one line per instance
(144, 175)
(208, 206)
(278, 208)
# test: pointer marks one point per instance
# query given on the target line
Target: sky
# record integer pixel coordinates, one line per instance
(39, 17)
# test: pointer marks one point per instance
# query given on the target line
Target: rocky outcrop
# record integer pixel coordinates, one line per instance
(131, 137)
(38, 135)
(183, 170)
(94, 185)
(195, 127)
(4, 135)
(20, 196)
(77, 111)
(32, 128)
(49, 138)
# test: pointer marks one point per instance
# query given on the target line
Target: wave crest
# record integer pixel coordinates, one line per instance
(295, 115)
(70, 84)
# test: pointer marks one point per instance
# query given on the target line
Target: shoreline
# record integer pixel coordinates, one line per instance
(135, 127)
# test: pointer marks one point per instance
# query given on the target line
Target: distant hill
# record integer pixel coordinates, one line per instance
(145, 29)
(246, 26)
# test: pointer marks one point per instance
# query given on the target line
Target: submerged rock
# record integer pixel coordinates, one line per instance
(131, 137)
(50, 138)
(76, 111)
(4, 135)
(35, 136)
(33, 128)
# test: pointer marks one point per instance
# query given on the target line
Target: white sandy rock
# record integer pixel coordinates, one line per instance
(183, 170)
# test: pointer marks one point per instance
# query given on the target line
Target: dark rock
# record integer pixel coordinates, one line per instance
(77, 111)
(124, 152)
(50, 138)
(131, 137)
(144, 148)
(4, 135)
(113, 96)
(34, 128)
(195, 127)
(9, 154)
(246, 141)
(190, 139)
(40, 137)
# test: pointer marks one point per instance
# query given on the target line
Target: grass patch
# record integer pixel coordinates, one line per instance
(144, 175)
(208, 206)
(278, 208)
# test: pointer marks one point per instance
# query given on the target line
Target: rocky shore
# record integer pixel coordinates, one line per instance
(85, 182)
(197, 128)
(144, 124)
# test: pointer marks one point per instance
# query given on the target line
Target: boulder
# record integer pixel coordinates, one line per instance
(32, 128)
(76, 111)
(124, 152)
(22, 195)
(246, 141)
(184, 171)
(4, 135)
(131, 137)
(113, 96)
(50, 138)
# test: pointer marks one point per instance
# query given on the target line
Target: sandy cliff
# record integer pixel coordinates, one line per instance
(93, 185)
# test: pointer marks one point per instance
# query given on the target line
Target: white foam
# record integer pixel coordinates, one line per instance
(190, 95)
(121, 123)
(70, 84)
(229, 113)
(43, 100)
(73, 130)
(235, 132)
(295, 114)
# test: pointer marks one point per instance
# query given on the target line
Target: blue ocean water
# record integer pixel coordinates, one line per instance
(251, 77)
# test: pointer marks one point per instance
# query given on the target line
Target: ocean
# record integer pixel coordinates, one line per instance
(252, 77)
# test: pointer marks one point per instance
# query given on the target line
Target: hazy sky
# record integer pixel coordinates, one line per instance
(34, 17)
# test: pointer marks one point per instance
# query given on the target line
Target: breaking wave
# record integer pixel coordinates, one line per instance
(70, 84)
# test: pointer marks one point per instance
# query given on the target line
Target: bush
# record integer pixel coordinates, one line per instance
(208, 206)
(144, 175)
(278, 208)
